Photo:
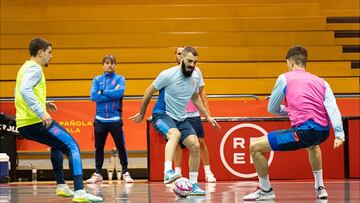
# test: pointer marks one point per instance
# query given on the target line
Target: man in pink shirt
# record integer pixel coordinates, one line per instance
(193, 116)
(311, 107)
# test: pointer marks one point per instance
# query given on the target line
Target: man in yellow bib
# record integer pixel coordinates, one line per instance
(34, 123)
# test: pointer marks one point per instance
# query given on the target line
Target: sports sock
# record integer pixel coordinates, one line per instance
(178, 169)
(207, 170)
(265, 183)
(193, 176)
(168, 166)
(318, 175)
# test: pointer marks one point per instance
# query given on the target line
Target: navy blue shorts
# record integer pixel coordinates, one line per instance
(163, 123)
(294, 139)
(58, 138)
(196, 123)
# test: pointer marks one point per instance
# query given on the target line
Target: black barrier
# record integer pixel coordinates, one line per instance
(346, 144)
(346, 149)
(8, 135)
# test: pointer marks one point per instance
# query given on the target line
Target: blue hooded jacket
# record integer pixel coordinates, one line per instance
(107, 90)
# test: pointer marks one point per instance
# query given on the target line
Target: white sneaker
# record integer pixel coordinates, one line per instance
(321, 193)
(64, 190)
(170, 176)
(127, 178)
(260, 194)
(210, 178)
(83, 196)
(95, 178)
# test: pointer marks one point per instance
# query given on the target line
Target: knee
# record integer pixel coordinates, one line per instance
(173, 134)
(195, 147)
(74, 148)
(254, 148)
(201, 142)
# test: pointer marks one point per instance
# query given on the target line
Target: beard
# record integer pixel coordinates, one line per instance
(185, 72)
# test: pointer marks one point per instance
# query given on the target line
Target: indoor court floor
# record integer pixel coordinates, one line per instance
(220, 192)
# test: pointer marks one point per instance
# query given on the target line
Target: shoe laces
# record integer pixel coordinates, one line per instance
(321, 188)
(195, 186)
(81, 192)
(256, 189)
(62, 187)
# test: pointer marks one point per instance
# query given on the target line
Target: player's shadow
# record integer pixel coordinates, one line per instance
(321, 201)
(191, 199)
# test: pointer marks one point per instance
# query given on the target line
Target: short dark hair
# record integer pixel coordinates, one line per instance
(109, 57)
(298, 54)
(37, 44)
(177, 49)
(191, 50)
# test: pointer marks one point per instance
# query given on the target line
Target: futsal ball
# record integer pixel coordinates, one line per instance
(182, 187)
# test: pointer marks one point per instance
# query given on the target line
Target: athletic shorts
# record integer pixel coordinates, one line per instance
(196, 123)
(294, 139)
(163, 123)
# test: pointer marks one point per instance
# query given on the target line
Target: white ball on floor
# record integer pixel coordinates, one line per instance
(182, 187)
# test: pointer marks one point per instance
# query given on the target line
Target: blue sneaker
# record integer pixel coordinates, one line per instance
(197, 191)
(170, 176)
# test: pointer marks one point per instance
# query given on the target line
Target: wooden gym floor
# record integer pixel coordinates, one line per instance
(220, 192)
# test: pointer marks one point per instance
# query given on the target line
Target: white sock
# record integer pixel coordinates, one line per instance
(167, 166)
(62, 185)
(193, 176)
(318, 175)
(265, 183)
(207, 170)
(178, 169)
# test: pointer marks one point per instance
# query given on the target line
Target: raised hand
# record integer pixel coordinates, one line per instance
(137, 118)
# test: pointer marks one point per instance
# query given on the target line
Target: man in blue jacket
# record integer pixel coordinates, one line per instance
(107, 91)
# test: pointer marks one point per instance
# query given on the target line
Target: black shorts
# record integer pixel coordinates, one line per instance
(294, 139)
(196, 123)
